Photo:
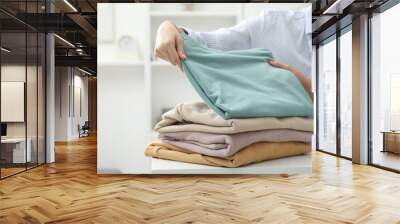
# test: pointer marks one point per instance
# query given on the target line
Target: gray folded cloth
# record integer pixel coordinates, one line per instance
(225, 145)
(200, 118)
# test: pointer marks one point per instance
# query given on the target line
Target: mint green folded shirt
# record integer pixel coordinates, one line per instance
(241, 84)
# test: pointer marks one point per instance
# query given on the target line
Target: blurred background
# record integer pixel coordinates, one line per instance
(50, 47)
(127, 34)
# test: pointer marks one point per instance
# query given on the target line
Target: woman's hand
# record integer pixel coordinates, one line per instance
(169, 44)
(300, 76)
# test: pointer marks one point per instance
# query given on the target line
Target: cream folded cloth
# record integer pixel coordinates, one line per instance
(199, 117)
(256, 152)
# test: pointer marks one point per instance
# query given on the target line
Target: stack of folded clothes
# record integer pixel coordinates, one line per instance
(251, 112)
(193, 133)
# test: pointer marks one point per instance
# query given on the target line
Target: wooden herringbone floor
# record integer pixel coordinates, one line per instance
(70, 191)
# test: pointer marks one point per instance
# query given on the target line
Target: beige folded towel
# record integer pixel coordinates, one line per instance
(199, 117)
(256, 152)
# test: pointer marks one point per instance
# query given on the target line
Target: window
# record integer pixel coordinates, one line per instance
(346, 93)
(385, 89)
(327, 97)
(22, 78)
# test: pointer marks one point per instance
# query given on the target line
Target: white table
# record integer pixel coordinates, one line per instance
(19, 149)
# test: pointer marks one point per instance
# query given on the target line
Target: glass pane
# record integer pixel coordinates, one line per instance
(346, 94)
(41, 98)
(31, 88)
(327, 97)
(22, 102)
(13, 89)
(9, 24)
(32, 96)
(385, 89)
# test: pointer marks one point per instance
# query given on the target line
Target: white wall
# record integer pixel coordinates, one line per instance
(67, 81)
(80, 83)
(14, 72)
(33, 126)
(123, 92)
(62, 81)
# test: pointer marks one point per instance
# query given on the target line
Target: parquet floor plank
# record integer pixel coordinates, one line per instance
(70, 191)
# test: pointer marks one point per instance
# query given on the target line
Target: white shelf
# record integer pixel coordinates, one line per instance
(192, 14)
(289, 165)
(121, 63)
(160, 63)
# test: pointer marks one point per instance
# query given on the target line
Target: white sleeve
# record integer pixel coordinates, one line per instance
(237, 37)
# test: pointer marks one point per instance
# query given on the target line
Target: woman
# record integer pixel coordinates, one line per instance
(291, 28)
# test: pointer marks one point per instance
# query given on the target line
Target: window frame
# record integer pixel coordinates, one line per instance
(334, 37)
